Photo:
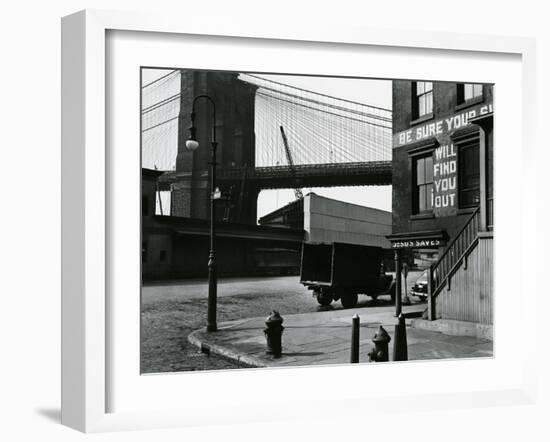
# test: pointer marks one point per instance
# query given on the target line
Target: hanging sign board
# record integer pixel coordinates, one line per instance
(418, 244)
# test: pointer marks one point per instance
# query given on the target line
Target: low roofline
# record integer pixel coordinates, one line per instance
(201, 227)
(431, 234)
(350, 204)
(280, 210)
(151, 172)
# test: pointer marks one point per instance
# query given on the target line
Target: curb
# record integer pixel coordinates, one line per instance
(202, 340)
(195, 338)
(455, 328)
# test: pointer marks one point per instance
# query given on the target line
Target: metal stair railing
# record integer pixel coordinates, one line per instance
(457, 251)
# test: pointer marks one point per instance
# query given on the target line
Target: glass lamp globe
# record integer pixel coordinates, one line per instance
(191, 145)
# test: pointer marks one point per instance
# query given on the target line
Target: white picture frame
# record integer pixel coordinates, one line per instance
(86, 214)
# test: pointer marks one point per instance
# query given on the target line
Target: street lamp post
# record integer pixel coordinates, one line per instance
(191, 145)
(398, 304)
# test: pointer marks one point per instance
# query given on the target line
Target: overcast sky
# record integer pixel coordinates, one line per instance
(373, 92)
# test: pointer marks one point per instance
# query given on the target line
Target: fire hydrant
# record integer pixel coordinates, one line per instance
(380, 351)
(273, 334)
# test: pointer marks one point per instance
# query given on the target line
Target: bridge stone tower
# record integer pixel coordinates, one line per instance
(236, 146)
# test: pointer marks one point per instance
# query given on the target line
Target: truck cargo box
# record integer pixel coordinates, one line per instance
(340, 265)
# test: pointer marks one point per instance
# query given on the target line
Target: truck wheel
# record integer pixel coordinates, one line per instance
(323, 298)
(349, 300)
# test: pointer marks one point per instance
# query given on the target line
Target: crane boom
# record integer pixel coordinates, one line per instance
(297, 191)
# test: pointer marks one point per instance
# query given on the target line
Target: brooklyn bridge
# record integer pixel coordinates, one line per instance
(271, 135)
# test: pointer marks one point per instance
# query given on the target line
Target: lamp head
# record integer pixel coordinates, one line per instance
(192, 144)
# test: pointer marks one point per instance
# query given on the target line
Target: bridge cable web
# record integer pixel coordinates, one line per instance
(160, 106)
(320, 128)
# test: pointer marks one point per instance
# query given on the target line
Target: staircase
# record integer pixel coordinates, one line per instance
(453, 256)
(462, 278)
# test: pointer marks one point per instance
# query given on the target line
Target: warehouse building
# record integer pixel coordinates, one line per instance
(328, 220)
(177, 247)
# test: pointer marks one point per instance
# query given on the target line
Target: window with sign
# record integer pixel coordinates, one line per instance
(468, 173)
(423, 184)
(469, 92)
(423, 98)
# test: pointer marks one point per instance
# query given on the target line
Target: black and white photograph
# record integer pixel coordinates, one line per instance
(299, 220)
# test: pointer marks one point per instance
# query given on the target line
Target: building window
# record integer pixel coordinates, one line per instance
(162, 255)
(468, 173)
(468, 91)
(144, 206)
(423, 185)
(423, 98)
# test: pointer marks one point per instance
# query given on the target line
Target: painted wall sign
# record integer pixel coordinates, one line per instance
(440, 127)
(417, 243)
(444, 194)
(444, 191)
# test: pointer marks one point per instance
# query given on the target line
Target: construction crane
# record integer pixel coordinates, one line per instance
(297, 191)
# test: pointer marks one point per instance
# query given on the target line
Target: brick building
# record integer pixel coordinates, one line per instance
(442, 196)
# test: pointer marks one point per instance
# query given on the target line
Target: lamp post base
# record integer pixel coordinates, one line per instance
(212, 325)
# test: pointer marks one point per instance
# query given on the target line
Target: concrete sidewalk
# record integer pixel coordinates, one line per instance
(325, 338)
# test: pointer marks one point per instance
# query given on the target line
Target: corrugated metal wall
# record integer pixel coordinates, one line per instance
(470, 297)
(328, 220)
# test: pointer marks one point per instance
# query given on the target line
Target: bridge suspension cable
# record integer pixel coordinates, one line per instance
(323, 128)
(160, 106)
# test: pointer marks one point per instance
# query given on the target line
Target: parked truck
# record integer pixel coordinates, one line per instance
(343, 271)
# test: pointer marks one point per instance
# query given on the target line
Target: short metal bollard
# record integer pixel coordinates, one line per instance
(273, 334)
(400, 344)
(355, 339)
(380, 351)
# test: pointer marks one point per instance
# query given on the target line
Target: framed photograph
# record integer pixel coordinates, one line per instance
(241, 216)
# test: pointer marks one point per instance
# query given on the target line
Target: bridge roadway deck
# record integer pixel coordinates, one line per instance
(374, 173)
